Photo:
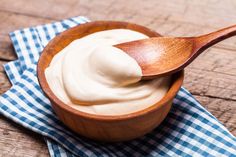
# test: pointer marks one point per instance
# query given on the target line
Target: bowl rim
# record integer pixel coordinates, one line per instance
(176, 80)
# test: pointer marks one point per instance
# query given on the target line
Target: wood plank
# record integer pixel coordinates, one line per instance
(50, 9)
(17, 141)
(4, 83)
(176, 28)
(180, 10)
(13, 22)
(190, 11)
(224, 110)
(6, 48)
(213, 74)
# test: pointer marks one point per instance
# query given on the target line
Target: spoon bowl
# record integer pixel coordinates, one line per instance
(159, 55)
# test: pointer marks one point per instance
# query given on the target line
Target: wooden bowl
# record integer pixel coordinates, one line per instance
(98, 127)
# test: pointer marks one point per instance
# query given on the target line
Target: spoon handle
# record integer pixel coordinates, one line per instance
(205, 41)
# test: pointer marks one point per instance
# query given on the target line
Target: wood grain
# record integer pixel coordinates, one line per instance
(205, 77)
(13, 21)
(17, 141)
(225, 113)
(4, 82)
(213, 74)
(6, 49)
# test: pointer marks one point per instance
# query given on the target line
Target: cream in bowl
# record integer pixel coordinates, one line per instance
(94, 77)
(113, 110)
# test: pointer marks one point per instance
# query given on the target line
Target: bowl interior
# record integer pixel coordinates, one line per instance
(66, 37)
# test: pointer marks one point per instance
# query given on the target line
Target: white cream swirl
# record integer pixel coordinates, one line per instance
(94, 77)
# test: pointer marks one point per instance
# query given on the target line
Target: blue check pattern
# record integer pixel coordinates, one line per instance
(188, 130)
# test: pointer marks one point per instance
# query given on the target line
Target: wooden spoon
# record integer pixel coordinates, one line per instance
(159, 56)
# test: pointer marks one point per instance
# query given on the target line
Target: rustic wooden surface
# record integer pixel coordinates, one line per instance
(211, 78)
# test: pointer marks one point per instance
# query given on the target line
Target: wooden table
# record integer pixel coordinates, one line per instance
(211, 78)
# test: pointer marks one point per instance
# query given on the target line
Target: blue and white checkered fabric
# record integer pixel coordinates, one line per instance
(188, 130)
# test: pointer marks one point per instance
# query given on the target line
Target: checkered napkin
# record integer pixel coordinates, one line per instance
(188, 130)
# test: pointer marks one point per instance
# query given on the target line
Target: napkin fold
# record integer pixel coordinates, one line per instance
(188, 130)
